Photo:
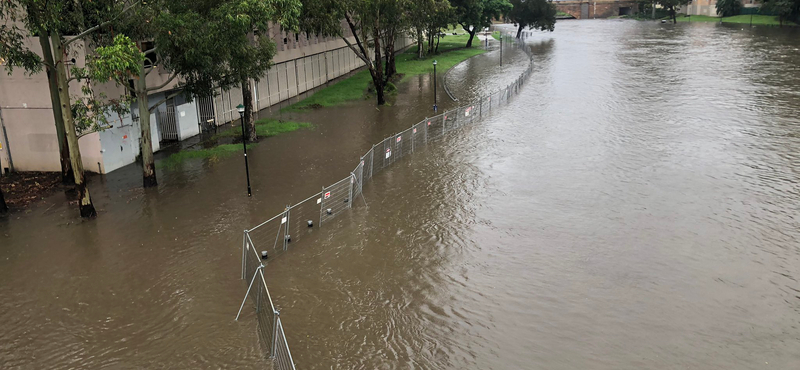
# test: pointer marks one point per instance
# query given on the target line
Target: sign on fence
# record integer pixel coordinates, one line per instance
(327, 195)
(388, 153)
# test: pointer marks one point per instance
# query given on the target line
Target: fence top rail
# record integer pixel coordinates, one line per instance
(305, 200)
(266, 222)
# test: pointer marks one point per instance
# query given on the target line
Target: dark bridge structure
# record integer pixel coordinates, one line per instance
(583, 9)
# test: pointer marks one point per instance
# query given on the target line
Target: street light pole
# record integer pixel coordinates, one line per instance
(501, 49)
(435, 108)
(240, 109)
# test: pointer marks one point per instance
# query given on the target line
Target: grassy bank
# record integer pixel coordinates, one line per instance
(214, 154)
(264, 128)
(451, 52)
(767, 20)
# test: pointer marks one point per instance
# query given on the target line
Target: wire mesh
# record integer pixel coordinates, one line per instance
(335, 199)
(303, 218)
(283, 357)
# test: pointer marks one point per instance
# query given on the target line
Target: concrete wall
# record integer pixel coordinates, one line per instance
(596, 9)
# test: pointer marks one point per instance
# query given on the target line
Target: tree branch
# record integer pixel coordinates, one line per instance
(159, 87)
(168, 97)
(95, 28)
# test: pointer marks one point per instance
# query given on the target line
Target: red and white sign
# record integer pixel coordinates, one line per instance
(327, 195)
(388, 152)
(399, 138)
(415, 130)
(429, 123)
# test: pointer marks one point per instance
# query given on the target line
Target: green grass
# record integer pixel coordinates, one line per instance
(768, 20)
(214, 154)
(451, 52)
(496, 35)
(265, 128)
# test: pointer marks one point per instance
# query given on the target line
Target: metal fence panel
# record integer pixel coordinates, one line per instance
(283, 357)
(335, 199)
(303, 218)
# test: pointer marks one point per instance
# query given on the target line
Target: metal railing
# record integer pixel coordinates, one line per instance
(275, 235)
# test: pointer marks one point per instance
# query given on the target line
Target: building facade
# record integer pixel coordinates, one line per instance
(28, 139)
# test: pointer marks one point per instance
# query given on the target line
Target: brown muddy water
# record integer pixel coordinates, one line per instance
(635, 207)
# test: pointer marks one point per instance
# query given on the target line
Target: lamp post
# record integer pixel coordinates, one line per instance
(240, 109)
(501, 49)
(435, 108)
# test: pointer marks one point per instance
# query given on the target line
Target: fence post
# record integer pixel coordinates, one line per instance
(286, 233)
(352, 183)
(321, 205)
(371, 160)
(275, 315)
(244, 253)
(480, 108)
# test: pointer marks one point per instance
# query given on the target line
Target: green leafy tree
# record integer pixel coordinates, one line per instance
(366, 21)
(57, 19)
(533, 14)
(728, 8)
(474, 15)
(672, 7)
(786, 10)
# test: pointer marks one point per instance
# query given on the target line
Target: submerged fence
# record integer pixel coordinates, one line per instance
(275, 235)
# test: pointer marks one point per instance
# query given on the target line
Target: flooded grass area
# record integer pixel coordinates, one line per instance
(266, 127)
(214, 154)
(759, 19)
(451, 52)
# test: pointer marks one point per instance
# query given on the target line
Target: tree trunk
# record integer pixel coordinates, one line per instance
(84, 200)
(419, 43)
(3, 206)
(471, 36)
(391, 69)
(149, 178)
(436, 49)
(248, 116)
(519, 30)
(377, 70)
(66, 167)
(672, 14)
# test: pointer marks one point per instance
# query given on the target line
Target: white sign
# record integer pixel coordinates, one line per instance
(319, 200)
(388, 152)
(327, 195)
(399, 138)
(283, 220)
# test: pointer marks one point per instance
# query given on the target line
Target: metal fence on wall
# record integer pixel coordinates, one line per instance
(275, 235)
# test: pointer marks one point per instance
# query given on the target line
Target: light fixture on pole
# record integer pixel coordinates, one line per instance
(240, 109)
(434, 86)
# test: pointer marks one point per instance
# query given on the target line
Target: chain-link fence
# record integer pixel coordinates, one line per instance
(274, 236)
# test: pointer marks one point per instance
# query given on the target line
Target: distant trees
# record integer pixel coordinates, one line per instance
(672, 7)
(427, 19)
(474, 15)
(727, 8)
(784, 9)
(533, 14)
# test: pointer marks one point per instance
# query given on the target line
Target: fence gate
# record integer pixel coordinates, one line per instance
(168, 122)
(205, 114)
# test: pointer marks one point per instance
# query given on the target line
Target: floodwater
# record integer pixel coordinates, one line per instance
(635, 207)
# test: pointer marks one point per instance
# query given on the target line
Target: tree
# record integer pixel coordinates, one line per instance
(57, 19)
(672, 6)
(474, 15)
(784, 9)
(728, 8)
(533, 14)
(364, 19)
